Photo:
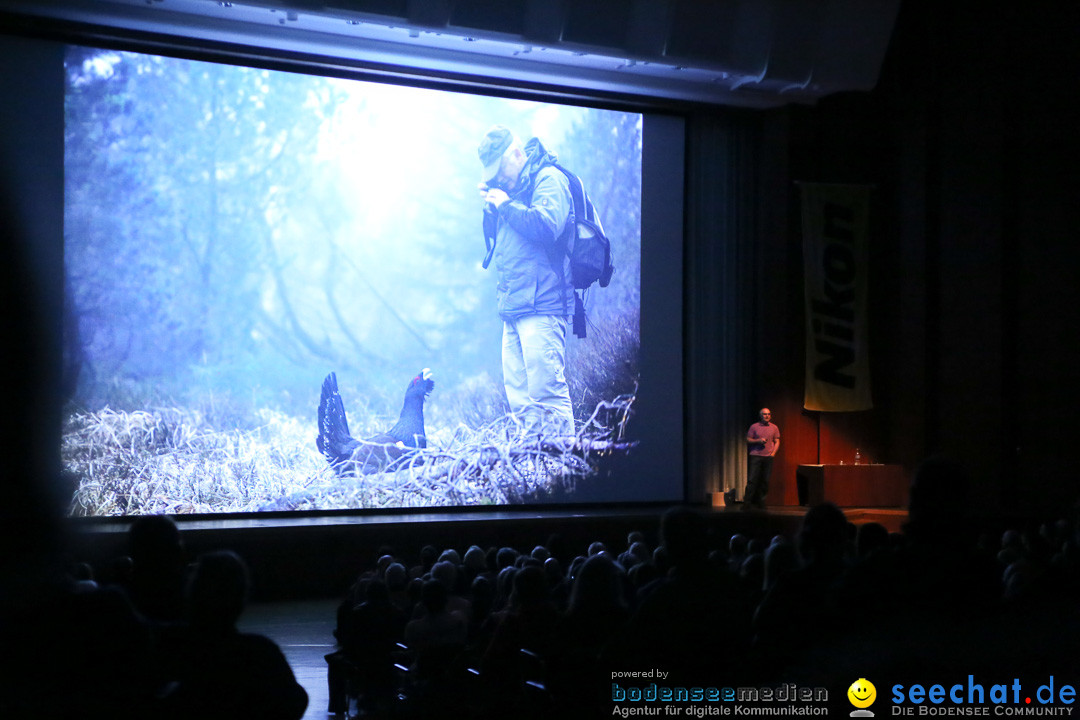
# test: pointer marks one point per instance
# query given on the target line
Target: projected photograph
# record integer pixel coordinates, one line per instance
(292, 293)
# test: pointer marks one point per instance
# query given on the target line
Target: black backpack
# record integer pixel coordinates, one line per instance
(588, 248)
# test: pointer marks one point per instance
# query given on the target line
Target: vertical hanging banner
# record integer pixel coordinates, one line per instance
(835, 224)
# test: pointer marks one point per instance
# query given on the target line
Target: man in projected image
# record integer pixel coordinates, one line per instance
(527, 206)
(763, 439)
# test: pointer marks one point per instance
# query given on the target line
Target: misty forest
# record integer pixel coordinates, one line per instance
(235, 234)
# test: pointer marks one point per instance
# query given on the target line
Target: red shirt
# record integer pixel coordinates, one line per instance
(767, 432)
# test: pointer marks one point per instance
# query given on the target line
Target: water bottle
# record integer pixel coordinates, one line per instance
(858, 457)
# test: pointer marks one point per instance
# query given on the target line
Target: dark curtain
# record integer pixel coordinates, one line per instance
(722, 210)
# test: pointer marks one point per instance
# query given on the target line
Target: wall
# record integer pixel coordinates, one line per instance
(31, 149)
(969, 140)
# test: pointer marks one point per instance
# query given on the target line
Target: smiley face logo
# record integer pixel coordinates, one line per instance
(862, 693)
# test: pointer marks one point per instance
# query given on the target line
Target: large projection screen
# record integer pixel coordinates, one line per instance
(234, 234)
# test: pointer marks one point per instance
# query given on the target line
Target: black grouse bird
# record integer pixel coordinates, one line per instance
(376, 453)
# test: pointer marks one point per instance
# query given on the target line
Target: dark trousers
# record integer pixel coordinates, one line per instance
(759, 467)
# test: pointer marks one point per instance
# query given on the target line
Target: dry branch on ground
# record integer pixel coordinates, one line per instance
(172, 461)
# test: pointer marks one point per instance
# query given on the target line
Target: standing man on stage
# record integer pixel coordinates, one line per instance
(763, 440)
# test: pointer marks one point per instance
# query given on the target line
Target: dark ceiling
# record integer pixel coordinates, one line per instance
(754, 53)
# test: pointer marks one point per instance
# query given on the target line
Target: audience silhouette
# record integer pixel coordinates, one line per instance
(502, 632)
(368, 635)
(215, 670)
(158, 568)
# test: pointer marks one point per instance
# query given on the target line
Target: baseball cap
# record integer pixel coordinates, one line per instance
(492, 148)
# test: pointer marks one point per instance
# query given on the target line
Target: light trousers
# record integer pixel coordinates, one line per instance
(534, 363)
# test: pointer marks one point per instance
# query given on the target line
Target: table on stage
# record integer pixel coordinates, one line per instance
(852, 485)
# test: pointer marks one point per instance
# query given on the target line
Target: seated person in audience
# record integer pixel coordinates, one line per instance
(159, 567)
(446, 572)
(474, 563)
(482, 592)
(597, 610)
(219, 672)
(527, 623)
(367, 641)
(428, 555)
(692, 621)
(558, 583)
(77, 653)
(801, 601)
(397, 584)
(437, 634)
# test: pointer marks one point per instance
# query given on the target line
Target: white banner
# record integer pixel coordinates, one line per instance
(835, 223)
